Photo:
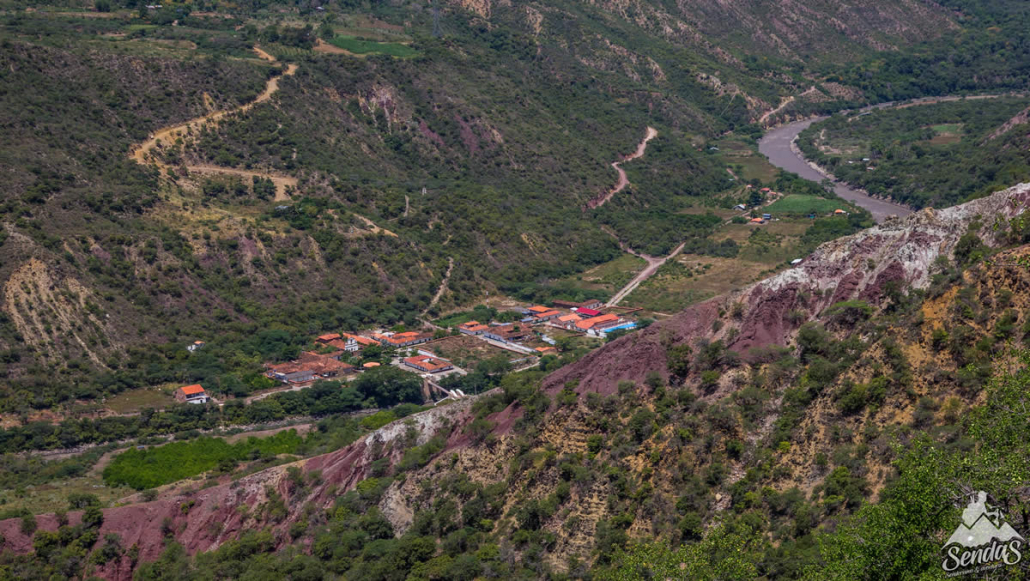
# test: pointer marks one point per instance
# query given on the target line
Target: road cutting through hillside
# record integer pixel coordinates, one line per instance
(623, 181)
(143, 153)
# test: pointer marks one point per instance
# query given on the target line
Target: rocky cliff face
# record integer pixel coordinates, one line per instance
(864, 266)
(860, 266)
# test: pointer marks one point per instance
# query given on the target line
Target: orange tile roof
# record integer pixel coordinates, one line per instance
(546, 314)
(399, 338)
(570, 318)
(328, 337)
(370, 365)
(539, 309)
(361, 340)
(192, 389)
(428, 363)
(547, 349)
(594, 321)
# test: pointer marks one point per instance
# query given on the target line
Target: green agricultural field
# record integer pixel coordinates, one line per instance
(803, 205)
(948, 128)
(359, 46)
(153, 467)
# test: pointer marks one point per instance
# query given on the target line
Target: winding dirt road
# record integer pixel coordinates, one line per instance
(623, 180)
(143, 153)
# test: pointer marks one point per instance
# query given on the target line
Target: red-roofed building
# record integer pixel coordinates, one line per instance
(567, 321)
(351, 343)
(548, 350)
(536, 309)
(546, 316)
(405, 339)
(327, 337)
(309, 356)
(472, 328)
(598, 323)
(191, 394)
(428, 364)
(586, 312)
(309, 367)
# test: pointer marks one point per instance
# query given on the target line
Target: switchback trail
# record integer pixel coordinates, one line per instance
(623, 180)
(143, 153)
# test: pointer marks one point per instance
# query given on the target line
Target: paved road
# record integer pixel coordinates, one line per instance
(776, 146)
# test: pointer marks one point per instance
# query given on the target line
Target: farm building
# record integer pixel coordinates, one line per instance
(473, 328)
(567, 321)
(191, 394)
(588, 304)
(506, 333)
(309, 367)
(428, 364)
(598, 323)
(405, 339)
(546, 316)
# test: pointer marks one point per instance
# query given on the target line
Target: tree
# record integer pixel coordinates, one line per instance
(727, 552)
(756, 199)
(93, 517)
(388, 386)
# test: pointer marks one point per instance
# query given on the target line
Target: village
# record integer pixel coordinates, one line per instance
(527, 335)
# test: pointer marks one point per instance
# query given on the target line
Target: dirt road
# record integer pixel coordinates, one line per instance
(653, 264)
(623, 180)
(443, 286)
(143, 153)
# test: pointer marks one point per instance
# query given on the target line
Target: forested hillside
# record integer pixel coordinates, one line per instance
(927, 155)
(240, 178)
(483, 146)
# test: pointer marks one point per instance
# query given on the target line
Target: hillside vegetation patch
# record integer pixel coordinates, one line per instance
(151, 467)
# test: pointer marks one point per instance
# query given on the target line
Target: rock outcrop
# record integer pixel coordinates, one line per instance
(861, 266)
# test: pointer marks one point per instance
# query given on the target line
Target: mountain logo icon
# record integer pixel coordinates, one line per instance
(983, 538)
